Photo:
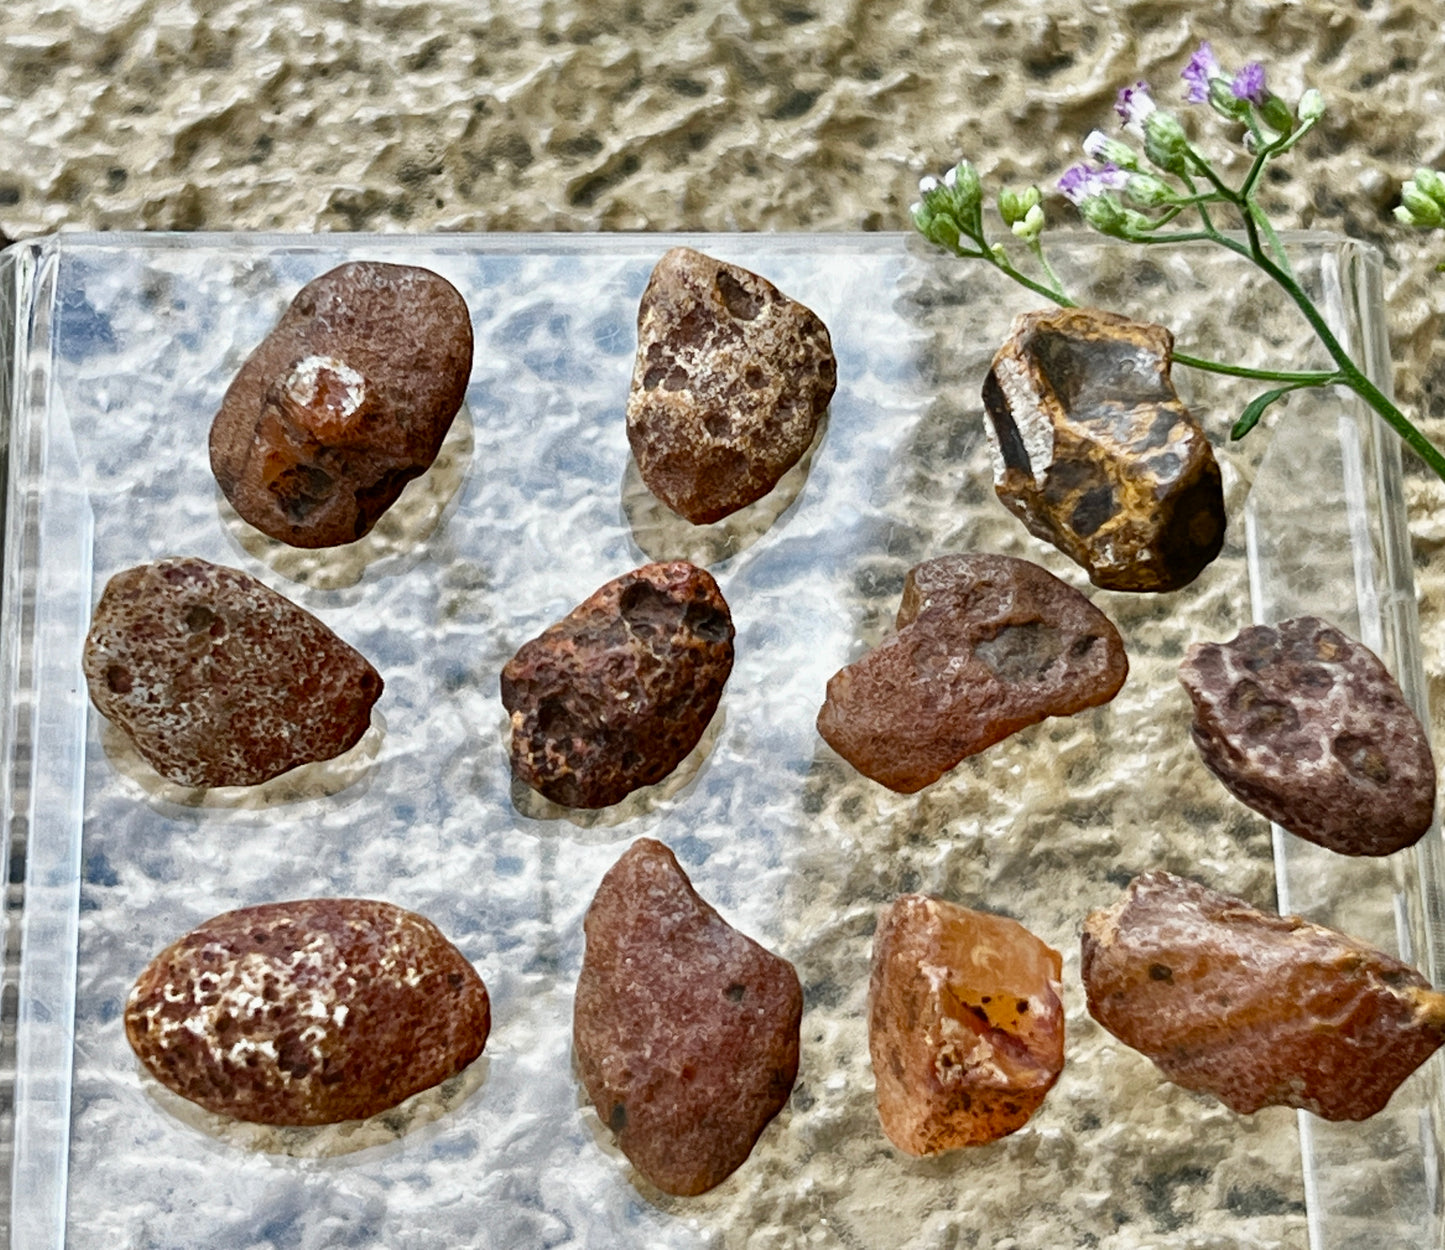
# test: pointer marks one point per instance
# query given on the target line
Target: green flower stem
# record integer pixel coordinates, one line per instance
(1301, 378)
(1037, 248)
(1296, 378)
(1350, 373)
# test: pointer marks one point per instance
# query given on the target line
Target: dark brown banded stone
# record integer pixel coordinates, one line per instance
(1094, 451)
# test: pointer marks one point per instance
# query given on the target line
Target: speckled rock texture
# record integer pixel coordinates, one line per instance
(1257, 1009)
(965, 1024)
(614, 695)
(217, 679)
(343, 403)
(686, 1031)
(1308, 727)
(986, 646)
(731, 380)
(1094, 452)
(308, 1012)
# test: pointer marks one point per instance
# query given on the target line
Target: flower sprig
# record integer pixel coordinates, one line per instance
(1139, 187)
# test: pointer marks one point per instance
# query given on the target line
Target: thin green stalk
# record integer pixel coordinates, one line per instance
(1307, 377)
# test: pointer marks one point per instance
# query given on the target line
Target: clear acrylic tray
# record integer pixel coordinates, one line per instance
(117, 351)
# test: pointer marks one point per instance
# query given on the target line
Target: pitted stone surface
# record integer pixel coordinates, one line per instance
(614, 695)
(986, 646)
(308, 1012)
(343, 403)
(1095, 453)
(965, 1024)
(686, 1031)
(1307, 727)
(220, 681)
(730, 382)
(1257, 1009)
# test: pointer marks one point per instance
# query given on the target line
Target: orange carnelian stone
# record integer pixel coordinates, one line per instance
(965, 1025)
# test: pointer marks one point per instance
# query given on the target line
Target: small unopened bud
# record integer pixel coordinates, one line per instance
(1432, 184)
(1032, 224)
(1224, 102)
(1311, 106)
(1010, 208)
(1165, 142)
(1110, 151)
(1277, 115)
(1423, 210)
(943, 230)
(1104, 213)
(1149, 192)
(967, 187)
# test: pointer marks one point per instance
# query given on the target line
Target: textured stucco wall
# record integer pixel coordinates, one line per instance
(799, 115)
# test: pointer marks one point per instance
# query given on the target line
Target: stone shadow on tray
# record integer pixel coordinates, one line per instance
(604, 821)
(663, 535)
(395, 542)
(319, 780)
(324, 1141)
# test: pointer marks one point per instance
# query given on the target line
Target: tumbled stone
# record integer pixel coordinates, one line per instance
(307, 1012)
(686, 1031)
(1094, 452)
(1257, 1009)
(218, 680)
(614, 695)
(1307, 727)
(730, 381)
(343, 403)
(965, 1024)
(986, 645)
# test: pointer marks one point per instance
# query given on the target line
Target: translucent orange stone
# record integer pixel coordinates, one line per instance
(965, 1025)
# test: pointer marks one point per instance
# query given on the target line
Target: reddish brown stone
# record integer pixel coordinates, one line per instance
(343, 403)
(1095, 453)
(614, 695)
(730, 381)
(1307, 727)
(686, 1031)
(965, 1024)
(1256, 1009)
(219, 681)
(308, 1012)
(986, 646)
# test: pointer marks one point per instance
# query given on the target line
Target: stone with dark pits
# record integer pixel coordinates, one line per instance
(343, 403)
(965, 1024)
(614, 695)
(686, 1031)
(731, 379)
(1094, 452)
(986, 645)
(309, 1012)
(220, 681)
(1257, 1009)
(1307, 727)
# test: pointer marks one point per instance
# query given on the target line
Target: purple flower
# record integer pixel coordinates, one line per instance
(1201, 68)
(1134, 104)
(1082, 182)
(1248, 84)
